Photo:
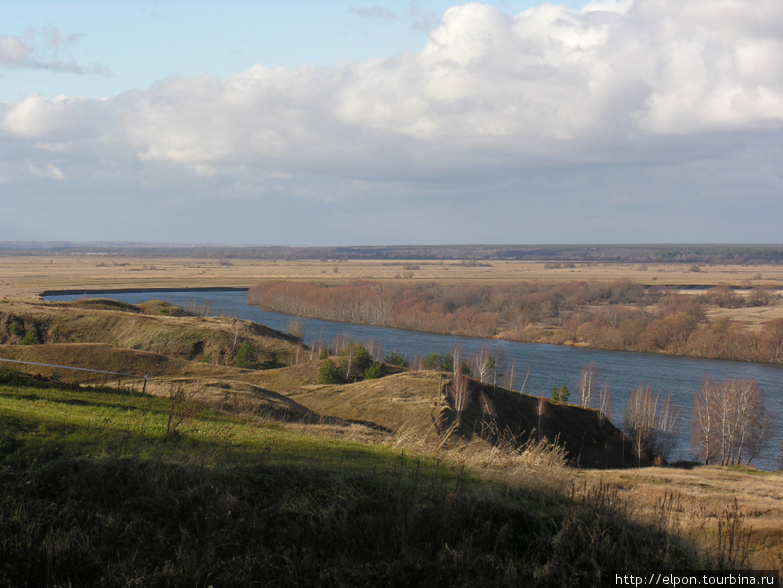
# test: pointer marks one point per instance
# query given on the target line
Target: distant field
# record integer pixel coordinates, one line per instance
(29, 275)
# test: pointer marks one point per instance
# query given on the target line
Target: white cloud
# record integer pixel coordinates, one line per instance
(43, 49)
(48, 171)
(491, 95)
(12, 51)
(523, 85)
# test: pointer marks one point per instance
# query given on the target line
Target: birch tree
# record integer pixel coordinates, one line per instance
(587, 383)
(650, 423)
(729, 421)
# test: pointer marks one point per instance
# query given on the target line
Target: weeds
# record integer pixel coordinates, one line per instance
(733, 539)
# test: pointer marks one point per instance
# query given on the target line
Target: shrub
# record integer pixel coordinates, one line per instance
(329, 373)
(246, 356)
(363, 360)
(560, 394)
(296, 329)
(375, 371)
(395, 358)
(30, 338)
(434, 361)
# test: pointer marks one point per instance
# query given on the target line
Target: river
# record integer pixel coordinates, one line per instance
(550, 365)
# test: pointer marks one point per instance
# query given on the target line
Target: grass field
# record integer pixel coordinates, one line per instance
(29, 275)
(699, 499)
(95, 492)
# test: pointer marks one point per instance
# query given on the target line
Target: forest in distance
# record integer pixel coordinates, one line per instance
(620, 315)
(627, 253)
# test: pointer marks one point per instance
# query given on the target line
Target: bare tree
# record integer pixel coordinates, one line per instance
(650, 424)
(587, 383)
(296, 329)
(606, 411)
(483, 363)
(704, 422)
(509, 383)
(236, 329)
(540, 410)
(729, 421)
(461, 394)
(456, 356)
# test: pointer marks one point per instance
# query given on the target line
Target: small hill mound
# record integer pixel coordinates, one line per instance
(218, 386)
(406, 403)
(102, 304)
(147, 328)
(503, 416)
(421, 405)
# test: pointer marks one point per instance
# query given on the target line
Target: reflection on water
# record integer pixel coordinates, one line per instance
(549, 365)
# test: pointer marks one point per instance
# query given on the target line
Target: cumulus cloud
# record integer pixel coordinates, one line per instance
(491, 94)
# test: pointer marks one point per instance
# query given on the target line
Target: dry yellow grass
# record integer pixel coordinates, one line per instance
(29, 275)
(701, 496)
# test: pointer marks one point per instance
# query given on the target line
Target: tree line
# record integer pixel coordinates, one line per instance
(619, 315)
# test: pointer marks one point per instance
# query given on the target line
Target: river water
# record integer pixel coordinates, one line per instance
(549, 365)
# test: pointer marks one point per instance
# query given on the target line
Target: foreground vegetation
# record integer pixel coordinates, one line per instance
(96, 493)
(620, 315)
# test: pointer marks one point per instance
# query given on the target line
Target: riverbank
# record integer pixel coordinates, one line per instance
(617, 316)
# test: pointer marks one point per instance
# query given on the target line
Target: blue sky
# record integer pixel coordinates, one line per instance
(130, 45)
(349, 122)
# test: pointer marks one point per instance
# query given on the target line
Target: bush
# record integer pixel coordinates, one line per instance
(560, 394)
(246, 356)
(375, 371)
(363, 360)
(329, 374)
(434, 361)
(395, 358)
(296, 329)
(30, 338)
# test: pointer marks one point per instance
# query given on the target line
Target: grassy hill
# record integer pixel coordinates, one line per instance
(154, 326)
(229, 476)
(95, 493)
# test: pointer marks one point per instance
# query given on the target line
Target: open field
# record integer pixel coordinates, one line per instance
(696, 500)
(29, 275)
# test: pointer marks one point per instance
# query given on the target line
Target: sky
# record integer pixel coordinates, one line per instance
(391, 122)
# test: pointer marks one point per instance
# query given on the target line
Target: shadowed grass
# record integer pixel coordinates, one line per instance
(94, 493)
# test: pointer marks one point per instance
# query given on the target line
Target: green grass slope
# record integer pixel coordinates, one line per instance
(94, 492)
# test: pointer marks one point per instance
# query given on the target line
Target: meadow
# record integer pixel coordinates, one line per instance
(271, 477)
(28, 275)
(97, 492)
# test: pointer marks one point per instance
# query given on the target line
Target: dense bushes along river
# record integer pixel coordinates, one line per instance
(619, 315)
